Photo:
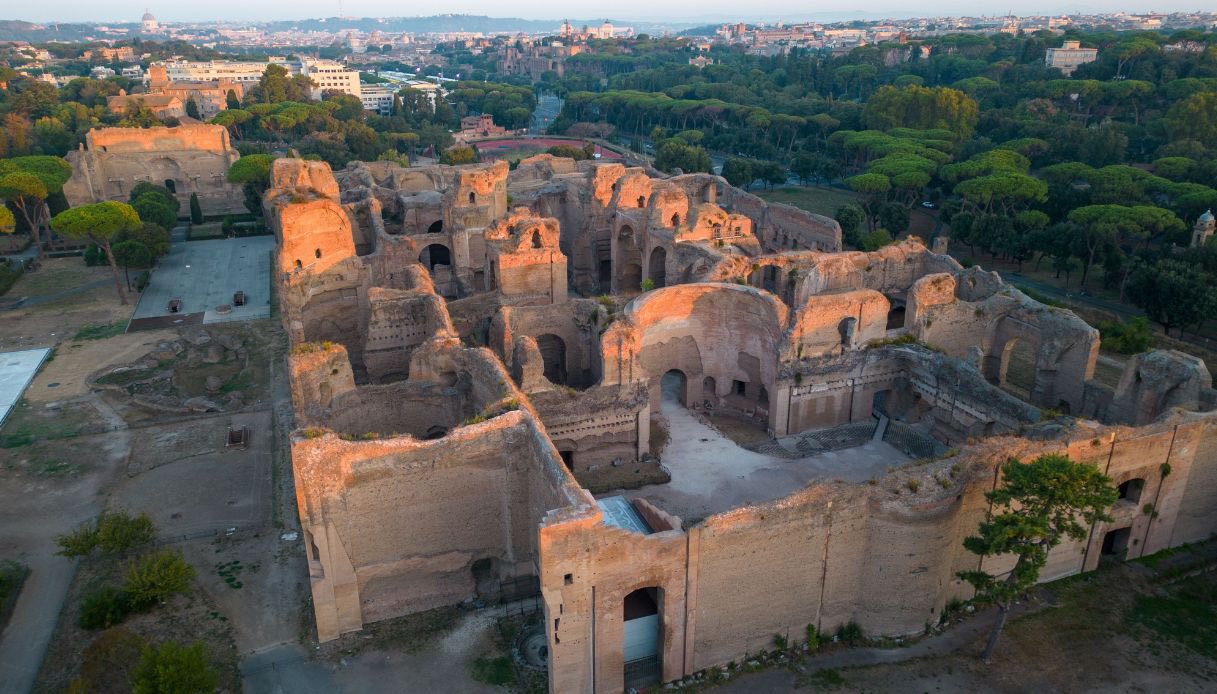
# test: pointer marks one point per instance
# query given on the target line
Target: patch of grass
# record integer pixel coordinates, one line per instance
(101, 331)
(1187, 614)
(12, 577)
(497, 671)
(823, 201)
(231, 572)
(202, 232)
(822, 679)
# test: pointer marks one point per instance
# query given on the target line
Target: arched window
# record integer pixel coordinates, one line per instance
(536, 239)
(472, 198)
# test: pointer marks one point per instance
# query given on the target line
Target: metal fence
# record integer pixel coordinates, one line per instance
(642, 672)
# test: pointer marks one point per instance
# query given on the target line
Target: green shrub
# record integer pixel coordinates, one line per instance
(813, 638)
(850, 633)
(94, 256)
(113, 532)
(104, 608)
(648, 284)
(157, 576)
(172, 668)
(9, 274)
(1133, 337)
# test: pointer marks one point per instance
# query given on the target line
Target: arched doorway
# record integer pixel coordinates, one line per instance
(846, 328)
(643, 632)
(657, 271)
(1016, 370)
(433, 255)
(553, 353)
(895, 317)
(627, 261)
(673, 386)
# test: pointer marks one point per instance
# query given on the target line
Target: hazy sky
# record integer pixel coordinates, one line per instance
(624, 10)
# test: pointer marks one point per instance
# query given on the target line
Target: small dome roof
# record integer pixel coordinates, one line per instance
(1206, 217)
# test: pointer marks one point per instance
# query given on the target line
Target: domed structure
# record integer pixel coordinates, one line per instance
(1206, 227)
(149, 22)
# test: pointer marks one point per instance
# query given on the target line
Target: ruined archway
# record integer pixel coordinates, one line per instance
(434, 255)
(657, 270)
(847, 328)
(642, 635)
(553, 354)
(627, 260)
(674, 386)
(436, 227)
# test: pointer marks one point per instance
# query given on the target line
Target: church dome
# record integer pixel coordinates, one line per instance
(1206, 217)
(148, 17)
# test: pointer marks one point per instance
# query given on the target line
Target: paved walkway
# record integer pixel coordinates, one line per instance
(206, 274)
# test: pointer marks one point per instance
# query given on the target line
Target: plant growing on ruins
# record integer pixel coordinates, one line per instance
(648, 284)
(813, 638)
(1038, 505)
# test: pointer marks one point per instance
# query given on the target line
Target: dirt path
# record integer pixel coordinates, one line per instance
(33, 511)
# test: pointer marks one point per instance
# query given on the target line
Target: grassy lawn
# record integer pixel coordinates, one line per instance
(823, 201)
(57, 275)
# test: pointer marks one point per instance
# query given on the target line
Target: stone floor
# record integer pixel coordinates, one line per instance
(712, 474)
(206, 274)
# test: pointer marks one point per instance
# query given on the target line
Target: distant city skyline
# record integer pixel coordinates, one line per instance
(682, 11)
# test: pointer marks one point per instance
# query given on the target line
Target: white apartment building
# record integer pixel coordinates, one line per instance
(325, 74)
(377, 98)
(330, 75)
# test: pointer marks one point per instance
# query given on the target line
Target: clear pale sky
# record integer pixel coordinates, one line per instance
(621, 10)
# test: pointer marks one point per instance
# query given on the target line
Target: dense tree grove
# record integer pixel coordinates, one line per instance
(1101, 174)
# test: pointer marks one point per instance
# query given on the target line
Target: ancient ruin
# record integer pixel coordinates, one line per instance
(486, 365)
(185, 159)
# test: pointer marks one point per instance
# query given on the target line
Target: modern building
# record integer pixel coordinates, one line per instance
(330, 75)
(326, 74)
(377, 98)
(1070, 56)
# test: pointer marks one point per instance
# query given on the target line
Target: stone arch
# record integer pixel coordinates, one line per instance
(642, 637)
(674, 385)
(895, 316)
(436, 227)
(553, 354)
(171, 185)
(435, 432)
(627, 261)
(536, 239)
(847, 329)
(657, 268)
(434, 255)
(709, 392)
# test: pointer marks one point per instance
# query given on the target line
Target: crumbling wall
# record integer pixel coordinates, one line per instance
(194, 158)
